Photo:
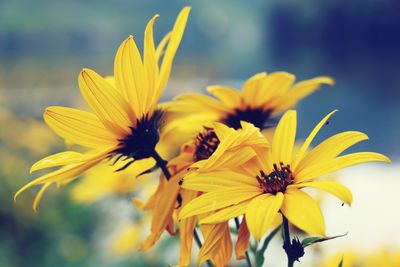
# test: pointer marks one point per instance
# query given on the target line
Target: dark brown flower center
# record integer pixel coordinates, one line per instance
(206, 143)
(141, 142)
(277, 180)
(261, 118)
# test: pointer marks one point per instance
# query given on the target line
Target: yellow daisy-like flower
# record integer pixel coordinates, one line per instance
(217, 144)
(124, 122)
(262, 98)
(271, 183)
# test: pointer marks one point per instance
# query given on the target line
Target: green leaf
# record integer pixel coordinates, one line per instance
(341, 263)
(260, 253)
(314, 239)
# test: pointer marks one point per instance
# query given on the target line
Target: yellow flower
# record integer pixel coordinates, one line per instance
(125, 120)
(381, 258)
(102, 181)
(348, 258)
(272, 181)
(218, 143)
(263, 97)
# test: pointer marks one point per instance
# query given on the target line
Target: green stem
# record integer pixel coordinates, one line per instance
(286, 240)
(163, 164)
(246, 253)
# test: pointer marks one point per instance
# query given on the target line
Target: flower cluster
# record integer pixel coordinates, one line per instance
(238, 160)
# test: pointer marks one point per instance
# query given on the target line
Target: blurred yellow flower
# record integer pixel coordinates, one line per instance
(263, 97)
(380, 258)
(125, 121)
(102, 181)
(271, 182)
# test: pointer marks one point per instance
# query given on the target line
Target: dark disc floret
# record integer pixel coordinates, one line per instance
(206, 143)
(142, 140)
(277, 180)
(261, 118)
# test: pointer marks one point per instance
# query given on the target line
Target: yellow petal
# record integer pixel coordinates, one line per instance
(39, 196)
(227, 95)
(299, 91)
(129, 74)
(226, 214)
(330, 148)
(224, 252)
(162, 211)
(261, 212)
(108, 104)
(196, 102)
(251, 88)
(225, 159)
(217, 199)
(242, 243)
(79, 127)
(274, 86)
(62, 158)
(186, 230)
(150, 65)
(173, 44)
(161, 46)
(67, 172)
(303, 211)
(332, 187)
(210, 181)
(328, 166)
(214, 239)
(310, 138)
(284, 137)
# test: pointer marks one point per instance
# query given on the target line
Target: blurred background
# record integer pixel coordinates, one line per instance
(44, 44)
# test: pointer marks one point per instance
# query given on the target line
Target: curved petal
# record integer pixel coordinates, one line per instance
(284, 137)
(216, 200)
(173, 44)
(310, 138)
(213, 240)
(332, 187)
(330, 148)
(66, 173)
(300, 91)
(163, 210)
(328, 166)
(62, 158)
(39, 196)
(242, 243)
(251, 88)
(226, 214)
(218, 180)
(224, 252)
(303, 211)
(225, 159)
(227, 95)
(261, 212)
(79, 127)
(276, 84)
(161, 46)
(108, 104)
(150, 63)
(186, 230)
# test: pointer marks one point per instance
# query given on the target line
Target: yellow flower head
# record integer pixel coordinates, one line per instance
(124, 122)
(272, 181)
(262, 98)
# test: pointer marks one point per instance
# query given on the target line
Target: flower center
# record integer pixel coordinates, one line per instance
(277, 180)
(206, 143)
(259, 117)
(142, 140)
